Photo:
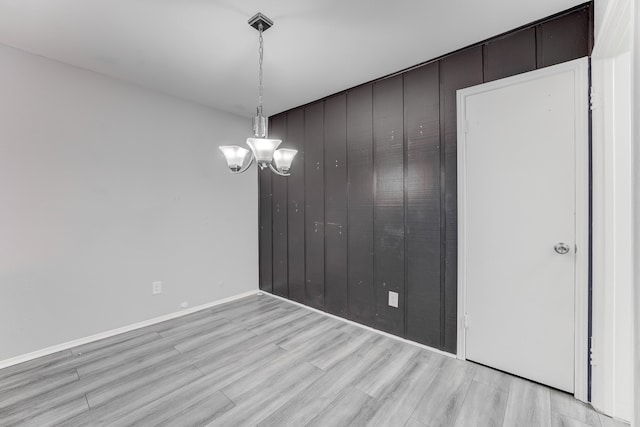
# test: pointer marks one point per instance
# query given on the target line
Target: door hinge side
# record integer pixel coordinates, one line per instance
(594, 100)
(591, 352)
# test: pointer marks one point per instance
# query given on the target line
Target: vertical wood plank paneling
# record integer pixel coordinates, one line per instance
(388, 129)
(296, 197)
(335, 178)
(460, 70)
(360, 224)
(422, 136)
(279, 217)
(314, 209)
(564, 38)
(512, 54)
(266, 257)
(324, 216)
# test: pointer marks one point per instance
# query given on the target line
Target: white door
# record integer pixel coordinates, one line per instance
(518, 224)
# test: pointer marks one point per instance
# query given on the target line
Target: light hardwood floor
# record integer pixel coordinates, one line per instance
(263, 361)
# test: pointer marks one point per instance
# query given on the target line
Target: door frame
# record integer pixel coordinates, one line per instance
(580, 67)
(610, 198)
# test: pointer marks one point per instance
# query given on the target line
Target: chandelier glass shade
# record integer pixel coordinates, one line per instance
(283, 159)
(263, 149)
(235, 156)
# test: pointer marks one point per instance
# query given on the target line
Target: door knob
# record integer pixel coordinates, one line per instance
(561, 248)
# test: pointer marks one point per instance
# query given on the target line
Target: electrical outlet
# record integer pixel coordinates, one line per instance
(393, 299)
(156, 288)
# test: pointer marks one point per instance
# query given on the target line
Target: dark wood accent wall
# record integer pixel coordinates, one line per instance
(314, 207)
(279, 219)
(335, 205)
(388, 213)
(371, 205)
(360, 294)
(265, 238)
(423, 205)
(296, 208)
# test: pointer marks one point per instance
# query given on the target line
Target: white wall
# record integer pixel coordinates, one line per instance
(599, 9)
(613, 259)
(104, 188)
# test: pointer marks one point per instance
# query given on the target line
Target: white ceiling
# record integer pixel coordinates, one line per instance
(205, 51)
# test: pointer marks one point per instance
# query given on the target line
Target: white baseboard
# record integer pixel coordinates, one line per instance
(71, 344)
(112, 332)
(395, 337)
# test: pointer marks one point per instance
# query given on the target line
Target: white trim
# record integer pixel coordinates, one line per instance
(582, 231)
(635, 210)
(612, 241)
(461, 349)
(580, 68)
(80, 341)
(368, 328)
(615, 40)
(602, 371)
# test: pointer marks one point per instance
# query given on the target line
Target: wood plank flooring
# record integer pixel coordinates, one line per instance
(260, 361)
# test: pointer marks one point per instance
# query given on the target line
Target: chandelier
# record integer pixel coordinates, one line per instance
(262, 149)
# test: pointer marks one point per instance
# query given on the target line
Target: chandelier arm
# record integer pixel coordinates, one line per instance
(276, 171)
(244, 169)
